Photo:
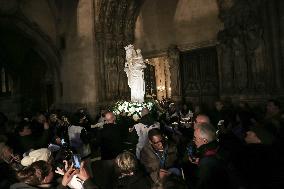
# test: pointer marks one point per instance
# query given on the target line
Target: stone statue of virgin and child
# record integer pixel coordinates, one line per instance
(134, 68)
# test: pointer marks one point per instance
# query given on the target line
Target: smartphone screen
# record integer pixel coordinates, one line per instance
(76, 158)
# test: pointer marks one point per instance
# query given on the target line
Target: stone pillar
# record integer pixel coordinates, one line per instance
(100, 46)
(281, 24)
(275, 41)
(174, 65)
(79, 70)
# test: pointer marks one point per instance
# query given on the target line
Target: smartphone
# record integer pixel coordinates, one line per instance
(62, 141)
(221, 122)
(76, 158)
(191, 151)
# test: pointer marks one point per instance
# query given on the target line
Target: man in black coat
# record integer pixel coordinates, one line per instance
(212, 172)
(109, 138)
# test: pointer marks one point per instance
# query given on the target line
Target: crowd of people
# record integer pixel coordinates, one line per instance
(174, 146)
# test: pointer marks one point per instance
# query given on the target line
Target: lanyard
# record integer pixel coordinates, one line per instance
(162, 157)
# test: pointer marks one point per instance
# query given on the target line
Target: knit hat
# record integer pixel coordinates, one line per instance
(36, 155)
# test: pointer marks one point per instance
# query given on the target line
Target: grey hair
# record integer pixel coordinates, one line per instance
(207, 131)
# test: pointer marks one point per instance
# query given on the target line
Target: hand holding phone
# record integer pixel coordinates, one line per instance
(83, 174)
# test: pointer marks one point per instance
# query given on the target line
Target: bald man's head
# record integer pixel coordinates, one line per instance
(109, 117)
(201, 118)
(144, 111)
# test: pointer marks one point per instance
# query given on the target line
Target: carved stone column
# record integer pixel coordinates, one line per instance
(111, 70)
(100, 62)
(281, 12)
(275, 37)
(123, 88)
(115, 24)
(174, 64)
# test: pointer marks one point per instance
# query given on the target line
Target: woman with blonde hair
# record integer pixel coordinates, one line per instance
(129, 175)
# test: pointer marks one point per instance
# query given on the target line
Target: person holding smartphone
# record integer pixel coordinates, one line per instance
(76, 177)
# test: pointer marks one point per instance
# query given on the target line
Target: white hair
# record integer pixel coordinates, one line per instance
(207, 131)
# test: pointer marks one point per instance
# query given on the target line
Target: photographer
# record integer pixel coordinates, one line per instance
(40, 174)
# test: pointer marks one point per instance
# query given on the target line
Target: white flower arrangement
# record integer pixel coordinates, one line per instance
(132, 109)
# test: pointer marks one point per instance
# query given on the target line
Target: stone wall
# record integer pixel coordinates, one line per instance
(185, 23)
(78, 73)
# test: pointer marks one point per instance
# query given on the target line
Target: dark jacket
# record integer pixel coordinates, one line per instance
(22, 144)
(151, 161)
(212, 172)
(136, 181)
(22, 185)
(110, 141)
(263, 166)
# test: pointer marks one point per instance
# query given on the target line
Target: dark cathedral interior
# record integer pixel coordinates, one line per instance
(210, 108)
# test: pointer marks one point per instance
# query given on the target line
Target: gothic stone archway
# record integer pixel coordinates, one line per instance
(33, 61)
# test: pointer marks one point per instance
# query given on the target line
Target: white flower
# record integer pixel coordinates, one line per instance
(132, 110)
(120, 108)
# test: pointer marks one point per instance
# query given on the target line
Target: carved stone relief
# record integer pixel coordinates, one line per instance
(115, 29)
(241, 47)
